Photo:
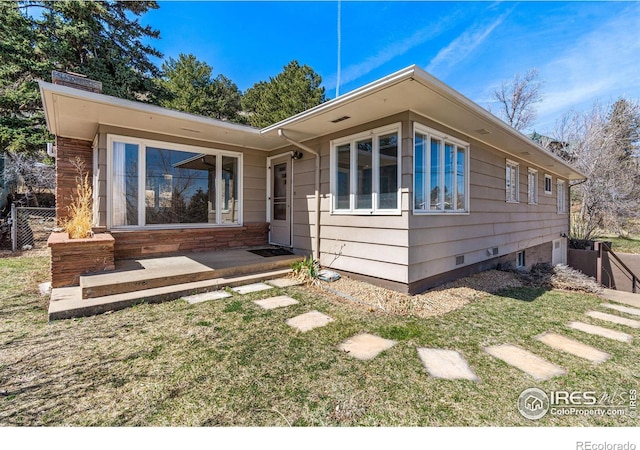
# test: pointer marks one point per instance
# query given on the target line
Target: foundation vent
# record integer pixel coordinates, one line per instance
(459, 260)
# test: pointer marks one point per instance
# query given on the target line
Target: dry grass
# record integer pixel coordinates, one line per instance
(560, 277)
(231, 363)
(80, 217)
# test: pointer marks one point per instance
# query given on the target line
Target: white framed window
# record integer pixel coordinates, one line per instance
(165, 185)
(512, 177)
(548, 183)
(520, 260)
(366, 172)
(562, 197)
(532, 186)
(440, 173)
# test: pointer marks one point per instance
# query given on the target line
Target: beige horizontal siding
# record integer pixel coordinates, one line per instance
(436, 240)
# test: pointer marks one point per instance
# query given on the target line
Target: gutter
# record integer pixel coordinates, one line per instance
(317, 185)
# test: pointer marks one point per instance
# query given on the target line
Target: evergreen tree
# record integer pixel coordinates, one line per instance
(295, 89)
(189, 87)
(100, 39)
(21, 64)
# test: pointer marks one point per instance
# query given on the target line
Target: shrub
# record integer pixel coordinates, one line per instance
(79, 221)
(563, 277)
(306, 270)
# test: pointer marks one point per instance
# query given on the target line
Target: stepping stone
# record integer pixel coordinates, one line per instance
(600, 331)
(255, 287)
(614, 319)
(284, 282)
(206, 296)
(365, 346)
(309, 321)
(447, 364)
(276, 302)
(624, 309)
(574, 347)
(530, 363)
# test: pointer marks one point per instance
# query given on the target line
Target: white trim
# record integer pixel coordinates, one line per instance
(561, 197)
(270, 159)
(457, 144)
(143, 144)
(104, 99)
(374, 135)
(95, 211)
(550, 178)
(532, 189)
(524, 261)
(511, 164)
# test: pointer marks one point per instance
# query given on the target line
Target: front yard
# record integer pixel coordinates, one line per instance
(230, 363)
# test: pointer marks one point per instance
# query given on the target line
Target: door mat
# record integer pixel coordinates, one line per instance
(268, 252)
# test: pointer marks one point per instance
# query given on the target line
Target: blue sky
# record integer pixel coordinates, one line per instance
(584, 51)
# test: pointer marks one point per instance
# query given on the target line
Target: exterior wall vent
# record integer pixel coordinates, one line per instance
(340, 119)
(493, 251)
(459, 260)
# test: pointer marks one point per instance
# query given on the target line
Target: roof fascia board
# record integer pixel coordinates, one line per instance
(108, 100)
(449, 93)
(356, 94)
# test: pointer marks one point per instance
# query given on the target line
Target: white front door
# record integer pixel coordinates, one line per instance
(559, 252)
(280, 202)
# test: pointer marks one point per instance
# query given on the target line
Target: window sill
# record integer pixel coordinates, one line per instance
(173, 226)
(366, 213)
(419, 212)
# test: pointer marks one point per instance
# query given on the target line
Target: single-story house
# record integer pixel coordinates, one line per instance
(404, 182)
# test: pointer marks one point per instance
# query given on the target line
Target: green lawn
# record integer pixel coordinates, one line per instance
(625, 244)
(230, 363)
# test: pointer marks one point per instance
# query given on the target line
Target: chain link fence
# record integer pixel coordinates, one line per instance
(31, 227)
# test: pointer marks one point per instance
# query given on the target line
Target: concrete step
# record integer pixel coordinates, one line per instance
(626, 298)
(136, 275)
(67, 302)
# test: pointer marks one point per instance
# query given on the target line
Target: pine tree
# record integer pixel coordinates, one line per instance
(189, 87)
(295, 89)
(102, 40)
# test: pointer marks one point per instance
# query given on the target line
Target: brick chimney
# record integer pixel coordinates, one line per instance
(67, 149)
(76, 80)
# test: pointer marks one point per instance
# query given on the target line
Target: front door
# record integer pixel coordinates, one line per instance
(280, 202)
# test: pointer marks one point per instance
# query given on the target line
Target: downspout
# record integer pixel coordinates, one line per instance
(317, 185)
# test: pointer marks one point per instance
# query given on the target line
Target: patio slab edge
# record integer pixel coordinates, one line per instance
(67, 303)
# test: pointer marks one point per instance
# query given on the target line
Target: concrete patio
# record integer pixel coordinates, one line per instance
(165, 278)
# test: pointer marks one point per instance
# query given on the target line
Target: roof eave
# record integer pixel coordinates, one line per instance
(47, 88)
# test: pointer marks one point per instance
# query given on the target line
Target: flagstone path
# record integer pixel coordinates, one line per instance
(449, 364)
(574, 347)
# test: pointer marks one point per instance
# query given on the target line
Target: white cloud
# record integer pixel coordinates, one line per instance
(462, 46)
(602, 65)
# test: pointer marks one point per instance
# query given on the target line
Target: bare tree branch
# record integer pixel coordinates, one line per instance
(518, 99)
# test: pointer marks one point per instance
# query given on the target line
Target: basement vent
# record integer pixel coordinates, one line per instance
(459, 260)
(492, 251)
(340, 119)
